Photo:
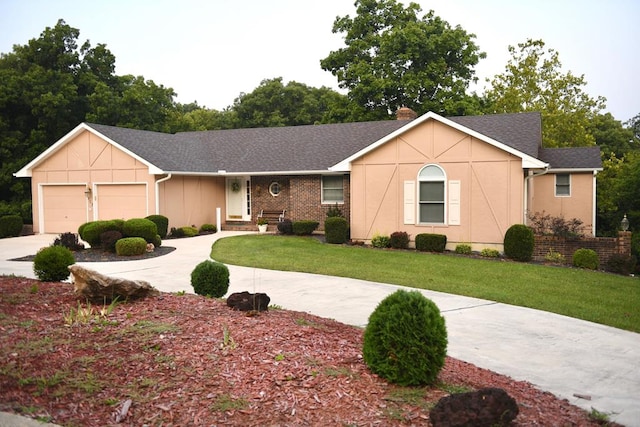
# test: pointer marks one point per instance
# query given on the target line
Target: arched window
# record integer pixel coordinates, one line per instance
(431, 194)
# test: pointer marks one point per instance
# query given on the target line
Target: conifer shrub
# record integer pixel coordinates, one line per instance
(285, 227)
(336, 230)
(161, 222)
(405, 340)
(51, 264)
(586, 258)
(140, 227)
(10, 226)
(305, 227)
(519, 243)
(428, 242)
(129, 246)
(399, 240)
(210, 278)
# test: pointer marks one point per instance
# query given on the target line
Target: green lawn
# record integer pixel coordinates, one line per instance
(598, 297)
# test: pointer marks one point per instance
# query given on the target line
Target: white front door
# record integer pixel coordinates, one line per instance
(239, 198)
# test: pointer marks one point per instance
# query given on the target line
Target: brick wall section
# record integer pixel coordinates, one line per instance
(300, 195)
(604, 246)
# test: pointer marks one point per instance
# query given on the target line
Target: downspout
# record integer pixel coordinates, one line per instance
(526, 191)
(166, 178)
(594, 201)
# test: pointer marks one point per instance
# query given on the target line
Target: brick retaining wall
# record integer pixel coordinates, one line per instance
(605, 247)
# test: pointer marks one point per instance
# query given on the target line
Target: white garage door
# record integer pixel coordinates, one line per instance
(64, 208)
(121, 201)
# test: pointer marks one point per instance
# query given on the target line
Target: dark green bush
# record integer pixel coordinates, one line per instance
(428, 242)
(519, 243)
(305, 227)
(69, 241)
(336, 230)
(405, 340)
(129, 246)
(177, 232)
(210, 278)
(108, 240)
(334, 211)
(10, 226)
(586, 258)
(140, 227)
(621, 264)
(157, 241)
(399, 240)
(90, 232)
(161, 222)
(285, 227)
(51, 264)
(208, 228)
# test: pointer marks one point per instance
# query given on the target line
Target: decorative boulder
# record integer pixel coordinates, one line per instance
(97, 287)
(244, 301)
(485, 407)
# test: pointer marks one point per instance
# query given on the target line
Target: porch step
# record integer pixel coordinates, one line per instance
(239, 226)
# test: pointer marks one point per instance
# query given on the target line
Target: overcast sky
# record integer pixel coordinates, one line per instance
(211, 51)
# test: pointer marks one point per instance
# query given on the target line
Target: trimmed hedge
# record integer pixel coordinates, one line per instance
(10, 226)
(427, 242)
(305, 227)
(162, 222)
(405, 340)
(51, 264)
(336, 230)
(519, 243)
(129, 246)
(90, 231)
(399, 240)
(140, 227)
(285, 227)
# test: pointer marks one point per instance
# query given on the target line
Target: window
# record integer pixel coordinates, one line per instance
(274, 188)
(332, 189)
(563, 185)
(431, 194)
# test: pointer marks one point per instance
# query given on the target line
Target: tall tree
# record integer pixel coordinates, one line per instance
(611, 136)
(533, 81)
(393, 58)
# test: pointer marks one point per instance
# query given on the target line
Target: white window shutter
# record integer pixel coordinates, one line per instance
(409, 202)
(454, 202)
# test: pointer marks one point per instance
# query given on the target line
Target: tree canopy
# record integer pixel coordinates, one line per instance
(533, 81)
(393, 58)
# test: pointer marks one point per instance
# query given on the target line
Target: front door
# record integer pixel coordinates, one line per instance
(239, 198)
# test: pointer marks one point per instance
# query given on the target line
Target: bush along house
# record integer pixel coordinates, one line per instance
(469, 178)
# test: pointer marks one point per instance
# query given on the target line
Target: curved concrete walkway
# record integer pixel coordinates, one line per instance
(559, 354)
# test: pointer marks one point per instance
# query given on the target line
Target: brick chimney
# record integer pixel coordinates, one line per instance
(406, 113)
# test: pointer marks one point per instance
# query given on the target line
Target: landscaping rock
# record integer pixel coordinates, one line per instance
(485, 407)
(97, 287)
(245, 301)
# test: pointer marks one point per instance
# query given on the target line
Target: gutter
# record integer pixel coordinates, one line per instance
(166, 178)
(526, 190)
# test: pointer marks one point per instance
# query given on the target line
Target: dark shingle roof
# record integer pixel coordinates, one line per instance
(318, 147)
(572, 158)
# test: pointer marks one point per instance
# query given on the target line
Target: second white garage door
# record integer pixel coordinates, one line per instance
(121, 201)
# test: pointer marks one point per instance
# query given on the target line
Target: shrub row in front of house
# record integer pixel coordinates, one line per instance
(107, 235)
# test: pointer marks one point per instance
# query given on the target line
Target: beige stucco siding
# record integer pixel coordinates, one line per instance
(86, 161)
(192, 200)
(490, 180)
(579, 204)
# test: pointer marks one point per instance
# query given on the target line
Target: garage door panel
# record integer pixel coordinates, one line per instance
(122, 201)
(64, 208)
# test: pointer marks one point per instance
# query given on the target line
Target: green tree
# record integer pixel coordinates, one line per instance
(533, 81)
(611, 136)
(393, 58)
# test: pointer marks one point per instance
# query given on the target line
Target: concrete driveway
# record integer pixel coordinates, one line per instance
(559, 354)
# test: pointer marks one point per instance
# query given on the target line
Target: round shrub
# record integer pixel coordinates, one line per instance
(336, 230)
(90, 232)
(305, 227)
(463, 249)
(399, 240)
(428, 242)
(140, 227)
(405, 340)
(162, 222)
(519, 242)
(210, 278)
(129, 246)
(108, 240)
(285, 227)
(586, 258)
(10, 226)
(51, 264)
(208, 228)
